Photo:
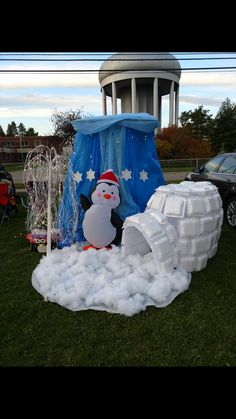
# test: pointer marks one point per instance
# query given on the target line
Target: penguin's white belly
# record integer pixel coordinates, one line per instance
(97, 226)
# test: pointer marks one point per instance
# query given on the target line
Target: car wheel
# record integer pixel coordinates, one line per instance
(230, 212)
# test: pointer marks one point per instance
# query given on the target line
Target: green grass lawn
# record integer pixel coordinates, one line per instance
(19, 186)
(196, 329)
(177, 169)
(22, 186)
(14, 167)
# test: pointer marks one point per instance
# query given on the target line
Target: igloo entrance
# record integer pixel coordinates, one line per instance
(150, 232)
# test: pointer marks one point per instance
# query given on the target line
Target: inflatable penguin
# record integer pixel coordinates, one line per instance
(101, 225)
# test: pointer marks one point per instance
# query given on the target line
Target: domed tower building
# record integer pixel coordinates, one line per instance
(140, 80)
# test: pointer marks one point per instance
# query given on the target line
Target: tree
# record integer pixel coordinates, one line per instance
(224, 133)
(199, 122)
(62, 123)
(2, 133)
(164, 149)
(31, 132)
(181, 144)
(12, 130)
(21, 129)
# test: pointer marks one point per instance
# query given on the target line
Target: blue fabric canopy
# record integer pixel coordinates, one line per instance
(124, 143)
(139, 121)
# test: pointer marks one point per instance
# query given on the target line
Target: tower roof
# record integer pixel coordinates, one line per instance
(140, 61)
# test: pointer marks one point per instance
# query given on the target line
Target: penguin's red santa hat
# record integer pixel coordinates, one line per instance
(109, 177)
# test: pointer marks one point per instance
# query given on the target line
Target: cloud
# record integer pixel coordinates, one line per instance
(23, 113)
(44, 105)
(200, 100)
(209, 79)
(22, 81)
(45, 100)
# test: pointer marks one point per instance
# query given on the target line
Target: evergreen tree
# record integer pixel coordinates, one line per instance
(2, 133)
(31, 132)
(21, 129)
(11, 130)
(224, 134)
(199, 122)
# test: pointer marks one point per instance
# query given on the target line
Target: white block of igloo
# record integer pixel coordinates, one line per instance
(195, 211)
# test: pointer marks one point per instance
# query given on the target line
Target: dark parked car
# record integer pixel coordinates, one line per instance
(221, 171)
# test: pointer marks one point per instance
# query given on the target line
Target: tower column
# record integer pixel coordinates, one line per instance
(159, 110)
(177, 105)
(104, 102)
(171, 103)
(155, 100)
(155, 97)
(133, 95)
(114, 102)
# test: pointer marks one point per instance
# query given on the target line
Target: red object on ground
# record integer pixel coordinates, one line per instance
(32, 239)
(89, 246)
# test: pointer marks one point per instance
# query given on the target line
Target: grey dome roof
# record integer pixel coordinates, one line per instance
(153, 61)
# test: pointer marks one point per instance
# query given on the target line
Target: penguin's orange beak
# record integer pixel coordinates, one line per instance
(107, 196)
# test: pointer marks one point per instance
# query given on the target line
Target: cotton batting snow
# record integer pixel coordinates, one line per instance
(106, 280)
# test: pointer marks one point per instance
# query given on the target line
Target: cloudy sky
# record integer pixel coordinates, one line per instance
(31, 98)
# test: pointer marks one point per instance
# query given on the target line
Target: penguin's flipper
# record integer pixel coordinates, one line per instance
(117, 222)
(85, 203)
(117, 239)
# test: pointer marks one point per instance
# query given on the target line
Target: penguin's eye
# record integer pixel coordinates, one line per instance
(112, 193)
(103, 190)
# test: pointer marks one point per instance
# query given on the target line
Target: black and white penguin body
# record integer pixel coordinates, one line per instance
(101, 225)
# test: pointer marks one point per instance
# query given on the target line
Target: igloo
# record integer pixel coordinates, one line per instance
(181, 226)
